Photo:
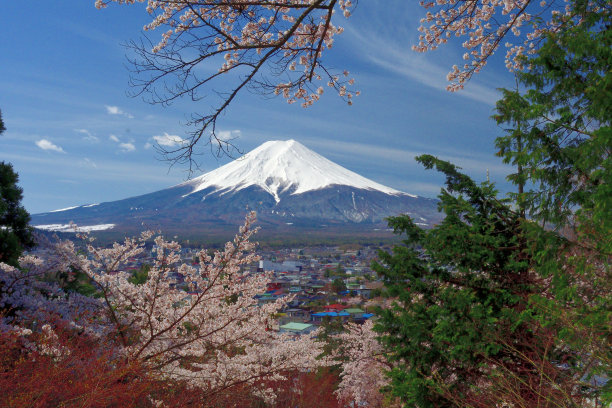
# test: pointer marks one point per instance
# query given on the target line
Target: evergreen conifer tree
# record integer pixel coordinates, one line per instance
(15, 234)
(507, 301)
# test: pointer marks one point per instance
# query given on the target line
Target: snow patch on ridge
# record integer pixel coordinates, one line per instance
(66, 209)
(73, 207)
(72, 227)
(279, 166)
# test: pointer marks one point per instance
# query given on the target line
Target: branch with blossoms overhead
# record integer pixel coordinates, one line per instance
(273, 47)
(276, 47)
(487, 24)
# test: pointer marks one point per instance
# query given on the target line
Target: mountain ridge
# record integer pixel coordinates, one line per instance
(278, 166)
(291, 188)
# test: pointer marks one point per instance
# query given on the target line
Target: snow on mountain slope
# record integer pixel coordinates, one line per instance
(74, 228)
(283, 166)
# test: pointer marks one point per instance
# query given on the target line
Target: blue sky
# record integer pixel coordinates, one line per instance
(76, 137)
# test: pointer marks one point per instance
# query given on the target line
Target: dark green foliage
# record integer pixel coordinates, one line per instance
(493, 308)
(339, 270)
(329, 337)
(15, 234)
(563, 120)
(564, 124)
(457, 287)
(2, 128)
(338, 285)
(76, 281)
(141, 275)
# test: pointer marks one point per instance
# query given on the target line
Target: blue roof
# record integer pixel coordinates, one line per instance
(330, 314)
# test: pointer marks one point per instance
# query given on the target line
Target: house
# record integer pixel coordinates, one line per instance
(292, 266)
(296, 328)
(297, 313)
(265, 298)
(319, 317)
(355, 313)
(286, 266)
(366, 289)
(363, 318)
(273, 286)
(336, 307)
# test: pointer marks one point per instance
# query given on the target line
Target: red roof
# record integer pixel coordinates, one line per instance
(335, 306)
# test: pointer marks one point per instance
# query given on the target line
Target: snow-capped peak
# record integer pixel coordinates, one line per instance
(277, 166)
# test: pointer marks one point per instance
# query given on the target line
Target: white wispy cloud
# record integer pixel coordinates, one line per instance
(47, 145)
(88, 135)
(226, 135)
(401, 60)
(105, 170)
(127, 147)
(115, 110)
(124, 147)
(87, 162)
(472, 163)
(169, 140)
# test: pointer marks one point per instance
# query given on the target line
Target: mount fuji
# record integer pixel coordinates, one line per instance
(292, 188)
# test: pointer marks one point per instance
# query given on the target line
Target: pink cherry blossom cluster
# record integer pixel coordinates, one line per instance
(213, 335)
(29, 294)
(486, 23)
(363, 370)
(289, 36)
(353, 301)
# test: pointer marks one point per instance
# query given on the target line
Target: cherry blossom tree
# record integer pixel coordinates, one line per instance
(363, 370)
(353, 301)
(314, 389)
(213, 335)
